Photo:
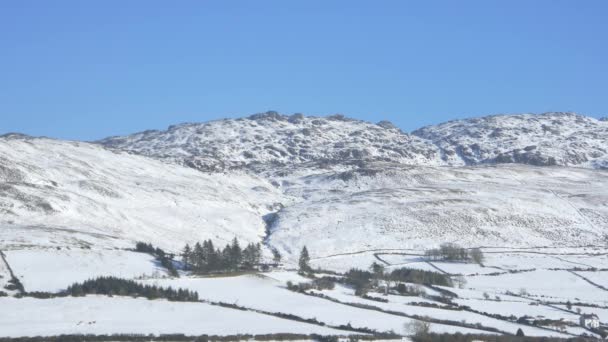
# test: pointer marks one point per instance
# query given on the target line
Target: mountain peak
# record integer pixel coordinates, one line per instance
(268, 140)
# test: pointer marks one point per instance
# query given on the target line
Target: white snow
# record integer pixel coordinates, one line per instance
(90, 193)
(401, 304)
(541, 284)
(54, 270)
(122, 315)
(265, 293)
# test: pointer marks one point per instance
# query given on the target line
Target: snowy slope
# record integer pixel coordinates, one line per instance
(388, 206)
(59, 193)
(548, 139)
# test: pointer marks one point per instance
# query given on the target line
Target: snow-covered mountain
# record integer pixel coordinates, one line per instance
(328, 183)
(565, 139)
(272, 141)
(352, 192)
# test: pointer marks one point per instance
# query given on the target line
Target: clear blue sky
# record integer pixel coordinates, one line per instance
(90, 69)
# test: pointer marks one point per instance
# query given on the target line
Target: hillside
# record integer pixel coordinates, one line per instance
(72, 193)
(417, 207)
(564, 139)
(77, 194)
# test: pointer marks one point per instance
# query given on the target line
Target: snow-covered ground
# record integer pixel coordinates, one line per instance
(541, 284)
(52, 270)
(402, 304)
(517, 308)
(268, 294)
(122, 315)
(5, 275)
(600, 278)
(417, 208)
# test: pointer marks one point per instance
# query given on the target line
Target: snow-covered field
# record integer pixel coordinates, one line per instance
(402, 304)
(268, 294)
(121, 315)
(54, 270)
(5, 275)
(542, 285)
(600, 277)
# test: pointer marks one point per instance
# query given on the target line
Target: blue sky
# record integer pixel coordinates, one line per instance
(90, 69)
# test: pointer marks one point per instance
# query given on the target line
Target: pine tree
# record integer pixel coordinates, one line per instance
(225, 259)
(304, 260)
(212, 257)
(198, 257)
(236, 254)
(187, 256)
(276, 256)
(257, 253)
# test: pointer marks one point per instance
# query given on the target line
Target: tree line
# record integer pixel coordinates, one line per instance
(206, 258)
(112, 286)
(363, 281)
(454, 252)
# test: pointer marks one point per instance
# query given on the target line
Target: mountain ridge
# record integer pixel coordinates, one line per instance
(273, 138)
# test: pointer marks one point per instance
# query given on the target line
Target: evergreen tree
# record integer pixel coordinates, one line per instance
(212, 257)
(258, 253)
(187, 256)
(226, 257)
(198, 257)
(251, 255)
(236, 254)
(276, 256)
(304, 260)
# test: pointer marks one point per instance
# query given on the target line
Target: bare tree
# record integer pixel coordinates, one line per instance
(477, 255)
(417, 328)
(460, 281)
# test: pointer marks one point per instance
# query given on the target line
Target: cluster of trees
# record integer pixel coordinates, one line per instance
(205, 258)
(420, 277)
(111, 286)
(165, 259)
(363, 280)
(454, 252)
(323, 283)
